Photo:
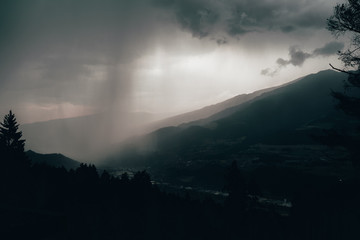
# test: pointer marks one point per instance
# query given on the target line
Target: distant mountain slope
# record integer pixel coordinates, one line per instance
(208, 110)
(87, 136)
(283, 116)
(54, 159)
(215, 111)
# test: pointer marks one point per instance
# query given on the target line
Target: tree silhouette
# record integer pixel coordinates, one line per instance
(11, 144)
(105, 177)
(235, 186)
(142, 180)
(9, 134)
(125, 178)
(346, 20)
(87, 174)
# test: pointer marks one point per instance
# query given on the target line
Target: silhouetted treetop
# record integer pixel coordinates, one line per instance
(10, 137)
(142, 179)
(11, 145)
(346, 20)
(234, 181)
(105, 176)
(87, 173)
(346, 17)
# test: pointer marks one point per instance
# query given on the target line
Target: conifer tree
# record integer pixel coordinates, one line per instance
(9, 134)
(11, 144)
(235, 186)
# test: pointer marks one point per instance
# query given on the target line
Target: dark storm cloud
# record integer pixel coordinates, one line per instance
(298, 57)
(268, 72)
(197, 16)
(287, 29)
(49, 49)
(203, 18)
(47, 46)
(221, 41)
(329, 49)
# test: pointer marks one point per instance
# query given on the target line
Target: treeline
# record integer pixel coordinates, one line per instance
(52, 203)
(43, 202)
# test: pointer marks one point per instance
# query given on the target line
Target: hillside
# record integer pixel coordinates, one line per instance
(54, 160)
(284, 118)
(93, 134)
(208, 111)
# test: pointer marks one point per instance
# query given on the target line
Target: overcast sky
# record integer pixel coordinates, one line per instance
(75, 57)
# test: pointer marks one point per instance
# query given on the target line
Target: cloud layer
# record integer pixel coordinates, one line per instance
(204, 18)
(51, 49)
(82, 53)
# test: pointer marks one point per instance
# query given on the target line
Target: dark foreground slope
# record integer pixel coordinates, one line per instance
(42, 202)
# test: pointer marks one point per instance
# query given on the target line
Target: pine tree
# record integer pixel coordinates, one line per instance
(11, 144)
(9, 134)
(235, 186)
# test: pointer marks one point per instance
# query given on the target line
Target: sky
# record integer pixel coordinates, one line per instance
(69, 58)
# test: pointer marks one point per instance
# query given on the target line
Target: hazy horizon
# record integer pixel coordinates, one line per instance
(164, 115)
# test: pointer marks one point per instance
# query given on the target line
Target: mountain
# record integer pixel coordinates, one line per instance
(83, 137)
(274, 127)
(54, 159)
(95, 134)
(208, 110)
(211, 110)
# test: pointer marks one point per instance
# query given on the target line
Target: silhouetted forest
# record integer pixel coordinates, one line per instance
(43, 202)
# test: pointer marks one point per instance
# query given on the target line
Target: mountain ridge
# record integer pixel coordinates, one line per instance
(277, 117)
(52, 159)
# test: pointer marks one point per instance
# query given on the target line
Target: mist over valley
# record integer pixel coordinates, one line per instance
(180, 119)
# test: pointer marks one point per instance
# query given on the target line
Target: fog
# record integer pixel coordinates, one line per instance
(65, 59)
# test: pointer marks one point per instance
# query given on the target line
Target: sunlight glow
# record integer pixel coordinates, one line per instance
(187, 82)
